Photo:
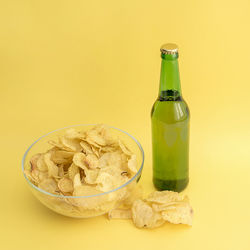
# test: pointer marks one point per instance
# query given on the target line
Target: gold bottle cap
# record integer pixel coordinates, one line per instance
(169, 49)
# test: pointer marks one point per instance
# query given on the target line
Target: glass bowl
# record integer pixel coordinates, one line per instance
(84, 206)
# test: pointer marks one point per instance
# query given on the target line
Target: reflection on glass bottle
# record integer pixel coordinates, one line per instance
(170, 127)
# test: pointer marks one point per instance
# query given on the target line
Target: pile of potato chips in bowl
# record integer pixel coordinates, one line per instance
(85, 170)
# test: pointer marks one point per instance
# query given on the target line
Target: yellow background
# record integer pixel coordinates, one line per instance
(74, 62)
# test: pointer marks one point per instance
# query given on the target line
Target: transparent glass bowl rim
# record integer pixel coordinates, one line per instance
(89, 196)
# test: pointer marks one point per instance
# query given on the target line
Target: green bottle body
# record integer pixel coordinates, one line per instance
(170, 130)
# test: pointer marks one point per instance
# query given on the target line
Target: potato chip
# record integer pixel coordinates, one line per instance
(96, 151)
(79, 160)
(48, 185)
(77, 181)
(124, 149)
(60, 172)
(144, 216)
(41, 165)
(72, 171)
(90, 176)
(35, 175)
(132, 164)
(85, 190)
(107, 149)
(172, 206)
(87, 202)
(73, 144)
(164, 197)
(91, 161)
(110, 159)
(95, 136)
(72, 133)
(92, 143)
(29, 175)
(105, 133)
(162, 207)
(120, 214)
(33, 160)
(52, 168)
(86, 147)
(42, 176)
(59, 145)
(182, 214)
(124, 160)
(65, 185)
(82, 173)
(105, 182)
(111, 170)
(110, 178)
(61, 156)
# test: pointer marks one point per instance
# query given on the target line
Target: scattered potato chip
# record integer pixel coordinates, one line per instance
(172, 206)
(165, 197)
(120, 214)
(180, 214)
(162, 207)
(144, 216)
(158, 207)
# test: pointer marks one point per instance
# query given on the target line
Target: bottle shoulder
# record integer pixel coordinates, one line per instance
(170, 111)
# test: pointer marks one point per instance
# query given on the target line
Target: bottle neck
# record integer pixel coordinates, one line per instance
(170, 86)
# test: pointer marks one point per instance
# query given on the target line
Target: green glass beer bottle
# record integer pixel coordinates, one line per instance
(170, 127)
